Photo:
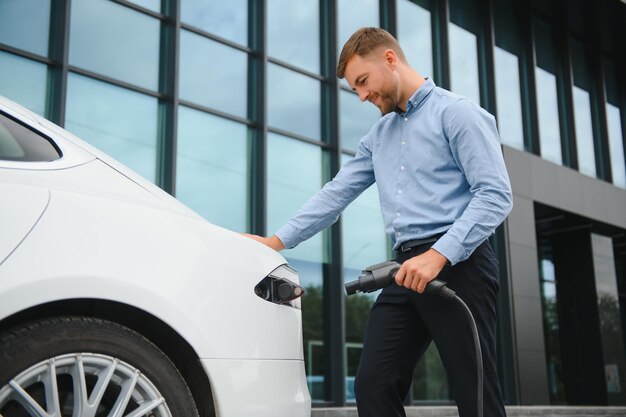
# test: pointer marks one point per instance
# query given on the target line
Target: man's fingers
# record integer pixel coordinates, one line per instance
(400, 275)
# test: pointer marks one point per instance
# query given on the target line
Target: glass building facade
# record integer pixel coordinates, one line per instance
(234, 108)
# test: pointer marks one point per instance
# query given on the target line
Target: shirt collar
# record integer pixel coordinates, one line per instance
(418, 96)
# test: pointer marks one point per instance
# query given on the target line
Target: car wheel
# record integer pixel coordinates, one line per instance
(86, 367)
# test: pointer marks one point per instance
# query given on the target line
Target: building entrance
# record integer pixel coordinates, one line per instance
(581, 308)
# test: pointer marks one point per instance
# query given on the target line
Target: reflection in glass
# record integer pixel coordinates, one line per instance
(116, 41)
(616, 145)
(293, 33)
(464, 63)
(546, 86)
(364, 243)
(584, 132)
(312, 323)
(610, 320)
(120, 122)
(508, 98)
(25, 24)
(302, 163)
(415, 36)
(293, 101)
(212, 74)
(353, 15)
(294, 175)
(548, 114)
(614, 124)
(582, 110)
(23, 81)
(356, 119)
(228, 19)
(212, 168)
(551, 323)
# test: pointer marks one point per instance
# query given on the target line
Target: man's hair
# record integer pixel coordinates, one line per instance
(364, 41)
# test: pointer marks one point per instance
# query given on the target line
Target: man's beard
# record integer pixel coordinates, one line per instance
(387, 104)
(388, 99)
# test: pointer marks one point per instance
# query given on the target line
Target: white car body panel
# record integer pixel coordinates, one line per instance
(241, 376)
(20, 208)
(93, 229)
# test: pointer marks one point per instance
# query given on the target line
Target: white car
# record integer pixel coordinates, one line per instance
(117, 300)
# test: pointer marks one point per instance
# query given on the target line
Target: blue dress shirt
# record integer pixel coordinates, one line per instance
(438, 167)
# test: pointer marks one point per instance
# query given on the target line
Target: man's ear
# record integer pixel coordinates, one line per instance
(391, 57)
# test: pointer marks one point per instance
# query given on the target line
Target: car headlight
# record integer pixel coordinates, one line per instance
(281, 286)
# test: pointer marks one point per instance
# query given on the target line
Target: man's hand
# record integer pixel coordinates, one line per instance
(417, 272)
(273, 242)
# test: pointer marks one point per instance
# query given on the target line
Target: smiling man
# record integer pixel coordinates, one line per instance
(436, 159)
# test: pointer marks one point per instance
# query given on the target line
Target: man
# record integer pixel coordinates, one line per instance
(443, 187)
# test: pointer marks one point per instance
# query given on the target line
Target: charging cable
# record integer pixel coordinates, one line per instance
(383, 274)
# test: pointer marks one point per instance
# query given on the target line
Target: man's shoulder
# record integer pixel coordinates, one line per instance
(447, 97)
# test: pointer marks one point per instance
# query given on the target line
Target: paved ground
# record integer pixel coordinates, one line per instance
(512, 411)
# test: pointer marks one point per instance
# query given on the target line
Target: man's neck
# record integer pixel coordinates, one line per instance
(413, 82)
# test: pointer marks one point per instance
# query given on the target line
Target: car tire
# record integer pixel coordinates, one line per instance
(64, 363)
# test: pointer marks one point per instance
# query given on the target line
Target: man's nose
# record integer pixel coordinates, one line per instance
(363, 95)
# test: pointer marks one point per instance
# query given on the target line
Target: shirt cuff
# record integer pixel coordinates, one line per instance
(450, 248)
(288, 235)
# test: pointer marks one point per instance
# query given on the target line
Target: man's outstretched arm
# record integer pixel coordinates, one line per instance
(273, 241)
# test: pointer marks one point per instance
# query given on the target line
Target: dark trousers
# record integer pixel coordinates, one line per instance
(402, 324)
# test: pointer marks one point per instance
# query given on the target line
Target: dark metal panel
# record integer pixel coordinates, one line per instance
(58, 52)
(596, 90)
(565, 84)
(527, 64)
(486, 44)
(257, 112)
(168, 105)
(388, 16)
(334, 308)
(441, 59)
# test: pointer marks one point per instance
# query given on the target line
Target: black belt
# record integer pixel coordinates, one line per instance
(412, 244)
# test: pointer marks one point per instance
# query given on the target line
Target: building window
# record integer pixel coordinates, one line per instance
(356, 119)
(154, 5)
(614, 125)
(293, 33)
(415, 34)
(506, 57)
(463, 47)
(25, 24)
(547, 99)
(582, 111)
(353, 15)
(227, 19)
(285, 195)
(361, 247)
(212, 167)
(118, 121)
(551, 323)
(115, 41)
(206, 68)
(293, 102)
(24, 81)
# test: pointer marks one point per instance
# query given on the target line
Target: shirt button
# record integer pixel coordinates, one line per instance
(397, 214)
(406, 119)
(399, 233)
(399, 191)
(402, 167)
(403, 142)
